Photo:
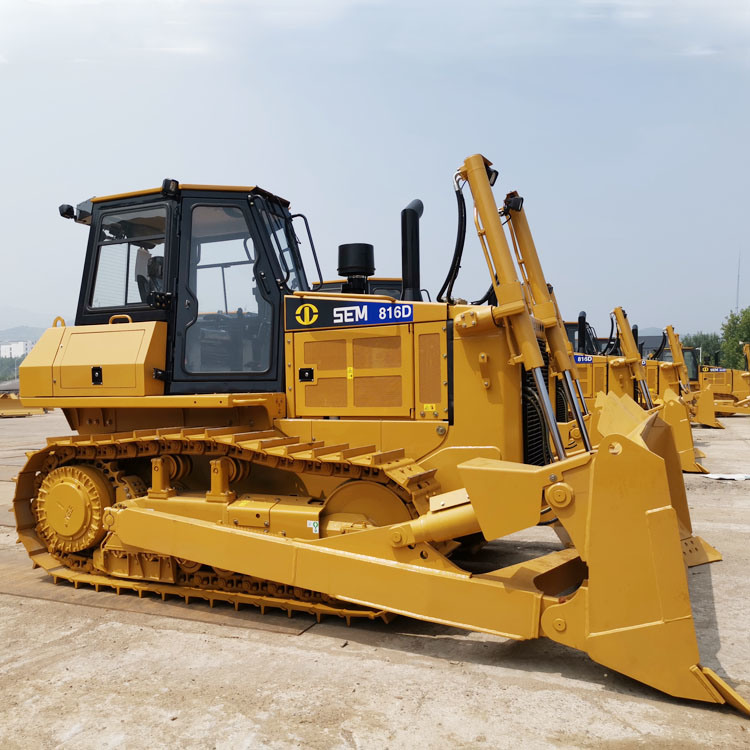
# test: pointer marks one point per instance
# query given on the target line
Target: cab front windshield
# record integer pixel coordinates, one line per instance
(284, 245)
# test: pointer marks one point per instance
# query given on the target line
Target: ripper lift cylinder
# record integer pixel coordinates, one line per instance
(503, 275)
(632, 355)
(543, 294)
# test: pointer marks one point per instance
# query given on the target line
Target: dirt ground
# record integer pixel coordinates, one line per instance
(80, 669)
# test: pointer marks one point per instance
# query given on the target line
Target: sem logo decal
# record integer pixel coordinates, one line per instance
(306, 314)
(343, 313)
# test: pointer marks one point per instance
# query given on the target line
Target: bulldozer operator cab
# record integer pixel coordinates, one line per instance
(213, 263)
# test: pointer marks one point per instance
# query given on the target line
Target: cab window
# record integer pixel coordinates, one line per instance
(233, 327)
(129, 257)
(284, 245)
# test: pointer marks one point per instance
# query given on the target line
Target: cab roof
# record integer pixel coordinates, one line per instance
(190, 186)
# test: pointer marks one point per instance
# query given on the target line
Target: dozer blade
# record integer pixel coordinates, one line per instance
(676, 414)
(732, 408)
(621, 415)
(705, 409)
(11, 406)
(629, 607)
(633, 612)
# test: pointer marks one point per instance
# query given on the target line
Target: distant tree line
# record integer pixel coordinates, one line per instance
(9, 367)
(735, 331)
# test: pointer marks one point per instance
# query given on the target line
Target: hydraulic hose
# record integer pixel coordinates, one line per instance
(446, 291)
(657, 354)
(613, 340)
(489, 296)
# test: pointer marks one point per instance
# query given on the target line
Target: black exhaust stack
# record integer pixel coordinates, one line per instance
(411, 286)
(638, 345)
(582, 332)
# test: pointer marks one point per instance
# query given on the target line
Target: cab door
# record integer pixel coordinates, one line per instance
(227, 328)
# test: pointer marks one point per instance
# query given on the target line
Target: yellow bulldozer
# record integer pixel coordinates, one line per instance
(617, 366)
(243, 438)
(10, 403)
(730, 389)
(11, 406)
(668, 369)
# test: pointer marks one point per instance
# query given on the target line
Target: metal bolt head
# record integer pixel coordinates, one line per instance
(559, 495)
(441, 430)
(553, 477)
(559, 624)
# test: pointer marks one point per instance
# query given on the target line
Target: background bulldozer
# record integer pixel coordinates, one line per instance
(729, 388)
(667, 369)
(243, 438)
(10, 404)
(616, 366)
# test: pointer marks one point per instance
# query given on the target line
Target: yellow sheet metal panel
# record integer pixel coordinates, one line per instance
(600, 376)
(132, 194)
(326, 355)
(82, 348)
(586, 377)
(252, 511)
(35, 372)
(157, 190)
(431, 371)
(378, 390)
(273, 403)
(327, 393)
(297, 517)
(354, 372)
(486, 415)
(376, 352)
(110, 360)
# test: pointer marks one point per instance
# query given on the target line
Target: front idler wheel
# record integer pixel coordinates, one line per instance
(70, 506)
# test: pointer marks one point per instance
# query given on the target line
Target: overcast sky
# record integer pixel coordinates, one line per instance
(625, 124)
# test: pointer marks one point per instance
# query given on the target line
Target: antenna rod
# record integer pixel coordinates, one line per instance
(737, 298)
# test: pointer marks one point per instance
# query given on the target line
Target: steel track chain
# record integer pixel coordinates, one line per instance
(268, 448)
